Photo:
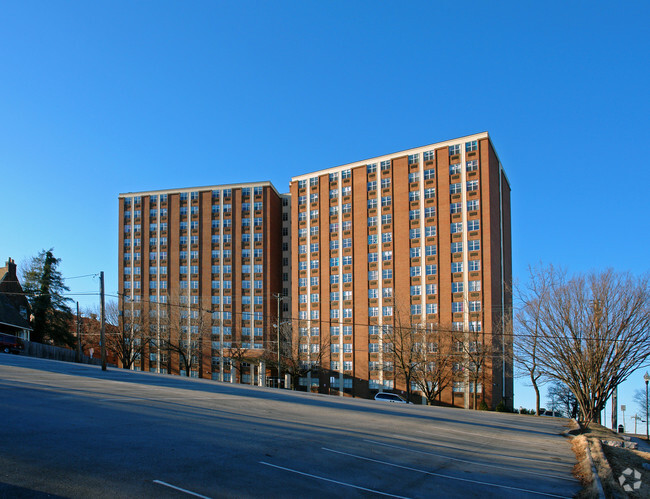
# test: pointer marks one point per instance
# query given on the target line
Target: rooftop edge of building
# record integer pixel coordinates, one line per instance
(263, 183)
(413, 150)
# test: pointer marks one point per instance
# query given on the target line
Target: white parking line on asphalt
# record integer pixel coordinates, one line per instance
(181, 490)
(475, 463)
(333, 481)
(478, 482)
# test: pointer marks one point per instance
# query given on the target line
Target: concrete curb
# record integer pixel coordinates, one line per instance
(599, 486)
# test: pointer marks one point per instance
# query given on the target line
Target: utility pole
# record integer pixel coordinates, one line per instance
(78, 335)
(103, 320)
(279, 297)
(636, 418)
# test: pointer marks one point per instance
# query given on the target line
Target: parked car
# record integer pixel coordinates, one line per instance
(11, 344)
(390, 397)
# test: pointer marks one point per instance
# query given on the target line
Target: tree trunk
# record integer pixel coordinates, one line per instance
(536, 388)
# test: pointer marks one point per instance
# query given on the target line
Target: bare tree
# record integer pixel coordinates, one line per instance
(127, 339)
(469, 355)
(239, 355)
(300, 355)
(560, 395)
(434, 367)
(184, 327)
(403, 346)
(642, 403)
(593, 332)
(528, 324)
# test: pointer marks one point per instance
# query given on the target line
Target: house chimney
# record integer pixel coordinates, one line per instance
(11, 269)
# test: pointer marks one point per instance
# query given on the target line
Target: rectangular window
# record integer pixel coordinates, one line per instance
(429, 193)
(455, 188)
(473, 225)
(472, 205)
(371, 168)
(414, 233)
(457, 287)
(386, 200)
(471, 146)
(471, 166)
(372, 186)
(432, 308)
(414, 158)
(455, 208)
(432, 289)
(472, 185)
(429, 155)
(385, 183)
(429, 174)
(473, 245)
(387, 274)
(474, 265)
(416, 290)
(386, 237)
(372, 221)
(372, 203)
(415, 252)
(373, 257)
(475, 285)
(414, 177)
(456, 267)
(416, 309)
(430, 212)
(414, 214)
(454, 169)
(372, 239)
(416, 271)
(456, 227)
(457, 247)
(414, 196)
(455, 149)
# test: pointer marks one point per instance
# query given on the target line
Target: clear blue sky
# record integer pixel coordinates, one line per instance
(104, 97)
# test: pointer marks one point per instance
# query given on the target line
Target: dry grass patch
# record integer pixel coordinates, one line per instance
(582, 469)
(610, 463)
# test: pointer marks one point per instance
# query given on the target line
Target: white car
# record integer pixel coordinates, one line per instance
(390, 397)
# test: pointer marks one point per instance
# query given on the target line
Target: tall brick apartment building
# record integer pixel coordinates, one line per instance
(397, 244)
(415, 242)
(200, 266)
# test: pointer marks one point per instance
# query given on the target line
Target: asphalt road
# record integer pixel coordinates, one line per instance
(72, 430)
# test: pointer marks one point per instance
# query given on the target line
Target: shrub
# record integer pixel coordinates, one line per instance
(501, 407)
(482, 406)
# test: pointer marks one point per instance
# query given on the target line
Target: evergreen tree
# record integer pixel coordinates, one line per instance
(44, 286)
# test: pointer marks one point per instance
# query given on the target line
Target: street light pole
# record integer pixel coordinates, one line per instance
(646, 378)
